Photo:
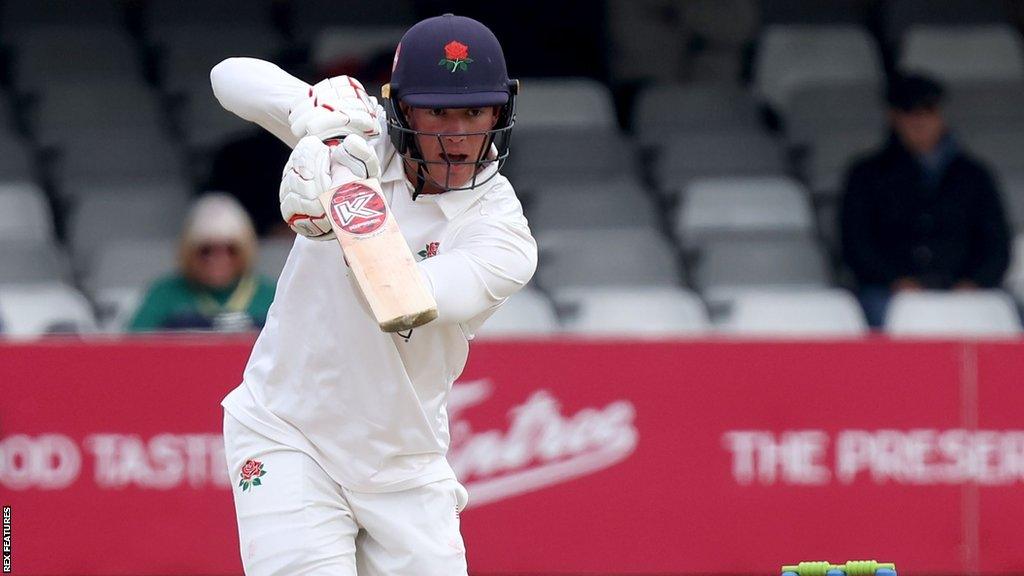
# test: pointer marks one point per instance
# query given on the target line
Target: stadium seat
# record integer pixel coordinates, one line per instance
(717, 154)
(273, 255)
(15, 159)
(121, 104)
(206, 124)
(526, 313)
(742, 262)
(820, 111)
(625, 257)
(795, 313)
(831, 155)
(634, 312)
(988, 313)
(1014, 279)
(24, 213)
(664, 110)
(793, 56)
(29, 311)
(32, 262)
(100, 218)
(999, 148)
(163, 14)
(189, 51)
(742, 206)
(985, 106)
(117, 156)
(900, 15)
(964, 53)
(556, 105)
(85, 54)
(341, 48)
(309, 16)
(569, 155)
(600, 205)
(122, 272)
(812, 11)
(18, 14)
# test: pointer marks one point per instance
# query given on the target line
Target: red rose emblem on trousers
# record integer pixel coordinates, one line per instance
(251, 469)
(456, 51)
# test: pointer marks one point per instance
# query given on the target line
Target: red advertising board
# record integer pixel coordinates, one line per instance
(581, 457)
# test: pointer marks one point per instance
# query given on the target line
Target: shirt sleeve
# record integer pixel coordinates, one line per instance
(488, 261)
(260, 92)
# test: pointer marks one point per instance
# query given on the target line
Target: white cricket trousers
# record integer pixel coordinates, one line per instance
(294, 520)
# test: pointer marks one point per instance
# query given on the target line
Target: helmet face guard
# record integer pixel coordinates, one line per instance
(404, 138)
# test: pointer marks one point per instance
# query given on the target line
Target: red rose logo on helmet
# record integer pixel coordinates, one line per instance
(456, 55)
(251, 473)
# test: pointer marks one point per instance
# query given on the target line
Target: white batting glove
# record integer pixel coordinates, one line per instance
(307, 175)
(335, 107)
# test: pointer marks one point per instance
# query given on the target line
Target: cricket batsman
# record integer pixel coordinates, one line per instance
(336, 438)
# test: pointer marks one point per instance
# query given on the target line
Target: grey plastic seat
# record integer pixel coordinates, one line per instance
(636, 312)
(664, 110)
(32, 262)
(340, 45)
(964, 53)
(16, 14)
(692, 156)
(1014, 279)
(819, 111)
(25, 213)
(794, 313)
(564, 104)
(525, 313)
(121, 274)
(273, 255)
(161, 14)
(309, 16)
(831, 155)
(113, 104)
(624, 257)
(984, 313)
(103, 218)
(614, 204)
(999, 148)
(206, 124)
(901, 15)
(792, 56)
(744, 262)
(190, 51)
(32, 310)
(86, 54)
(568, 155)
(985, 105)
(742, 206)
(812, 11)
(118, 156)
(15, 158)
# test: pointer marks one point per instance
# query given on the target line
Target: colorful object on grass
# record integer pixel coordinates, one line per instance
(851, 568)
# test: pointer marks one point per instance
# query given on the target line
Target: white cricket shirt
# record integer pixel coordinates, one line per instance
(369, 407)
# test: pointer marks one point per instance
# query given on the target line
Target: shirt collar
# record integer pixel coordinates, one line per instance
(452, 203)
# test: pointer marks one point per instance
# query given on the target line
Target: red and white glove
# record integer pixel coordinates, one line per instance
(307, 175)
(333, 108)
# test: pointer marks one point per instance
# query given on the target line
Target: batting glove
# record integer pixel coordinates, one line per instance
(308, 174)
(333, 108)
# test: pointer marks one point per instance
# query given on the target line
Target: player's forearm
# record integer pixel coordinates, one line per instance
(258, 91)
(465, 284)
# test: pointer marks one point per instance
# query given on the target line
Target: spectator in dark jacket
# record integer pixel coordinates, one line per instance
(921, 214)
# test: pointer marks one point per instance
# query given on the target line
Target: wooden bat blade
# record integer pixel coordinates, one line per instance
(378, 256)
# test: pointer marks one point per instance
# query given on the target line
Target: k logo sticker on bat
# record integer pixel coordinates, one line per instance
(358, 209)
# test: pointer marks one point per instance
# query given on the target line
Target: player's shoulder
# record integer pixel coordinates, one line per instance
(499, 198)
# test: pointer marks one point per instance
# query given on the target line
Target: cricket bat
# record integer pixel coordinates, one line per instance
(377, 253)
